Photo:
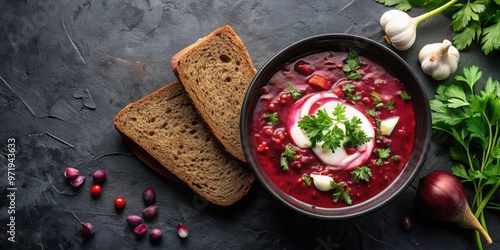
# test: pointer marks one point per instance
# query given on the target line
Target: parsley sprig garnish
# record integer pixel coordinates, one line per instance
(477, 21)
(472, 119)
(287, 156)
(272, 118)
(363, 173)
(382, 154)
(341, 192)
(295, 93)
(321, 127)
(351, 66)
(350, 93)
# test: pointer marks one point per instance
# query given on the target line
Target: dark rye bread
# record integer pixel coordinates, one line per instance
(216, 72)
(165, 131)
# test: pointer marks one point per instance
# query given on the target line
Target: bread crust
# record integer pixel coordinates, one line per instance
(217, 176)
(218, 86)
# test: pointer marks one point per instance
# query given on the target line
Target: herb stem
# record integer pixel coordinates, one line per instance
(433, 12)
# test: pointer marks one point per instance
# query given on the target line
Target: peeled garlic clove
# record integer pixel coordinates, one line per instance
(322, 182)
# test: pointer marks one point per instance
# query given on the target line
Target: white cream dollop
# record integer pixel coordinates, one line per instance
(338, 159)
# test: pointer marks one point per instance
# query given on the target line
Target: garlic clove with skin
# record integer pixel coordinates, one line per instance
(439, 60)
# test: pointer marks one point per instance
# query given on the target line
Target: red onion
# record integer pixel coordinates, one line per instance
(441, 196)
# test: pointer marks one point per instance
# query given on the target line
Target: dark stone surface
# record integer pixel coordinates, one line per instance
(67, 68)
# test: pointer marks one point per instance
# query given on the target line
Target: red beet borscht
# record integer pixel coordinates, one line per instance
(333, 129)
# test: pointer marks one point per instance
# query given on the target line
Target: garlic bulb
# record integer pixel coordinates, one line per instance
(400, 29)
(439, 60)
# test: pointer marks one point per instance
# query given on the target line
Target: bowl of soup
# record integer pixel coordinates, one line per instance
(335, 126)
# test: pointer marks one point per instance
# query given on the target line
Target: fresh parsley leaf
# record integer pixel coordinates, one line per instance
(286, 156)
(404, 96)
(349, 92)
(295, 93)
(351, 66)
(382, 153)
(341, 192)
(402, 5)
(490, 40)
(371, 112)
(272, 118)
(390, 105)
(307, 180)
(395, 158)
(355, 135)
(363, 173)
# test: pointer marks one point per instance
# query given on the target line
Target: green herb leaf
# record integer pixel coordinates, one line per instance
(382, 153)
(341, 192)
(286, 156)
(307, 180)
(356, 136)
(349, 92)
(401, 5)
(363, 173)
(404, 96)
(272, 118)
(352, 64)
(295, 93)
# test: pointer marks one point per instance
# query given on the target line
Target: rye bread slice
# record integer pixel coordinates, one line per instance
(166, 132)
(216, 72)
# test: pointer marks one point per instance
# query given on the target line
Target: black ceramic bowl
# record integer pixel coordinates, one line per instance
(383, 56)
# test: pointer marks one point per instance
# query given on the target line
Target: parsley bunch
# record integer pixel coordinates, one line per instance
(477, 20)
(472, 118)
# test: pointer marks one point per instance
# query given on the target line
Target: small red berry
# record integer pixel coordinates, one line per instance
(96, 190)
(120, 202)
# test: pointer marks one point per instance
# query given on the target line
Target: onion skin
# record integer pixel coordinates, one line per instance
(441, 196)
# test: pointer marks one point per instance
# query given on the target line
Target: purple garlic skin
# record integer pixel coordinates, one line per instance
(71, 173)
(78, 181)
(99, 176)
(150, 212)
(155, 234)
(134, 220)
(149, 195)
(140, 230)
